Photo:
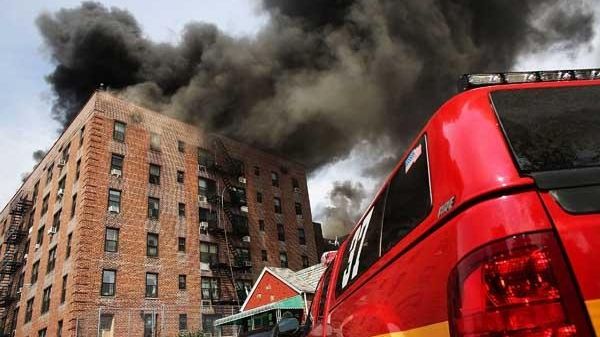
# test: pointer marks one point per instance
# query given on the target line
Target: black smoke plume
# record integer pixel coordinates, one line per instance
(346, 200)
(321, 76)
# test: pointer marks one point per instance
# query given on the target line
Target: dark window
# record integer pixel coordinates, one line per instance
(35, 270)
(259, 197)
(323, 295)
(182, 282)
(183, 322)
(59, 329)
(283, 260)
(256, 170)
(73, 205)
(301, 236)
(68, 250)
(153, 208)
(150, 325)
(261, 225)
(295, 184)
(63, 289)
(119, 131)
(114, 201)
(152, 245)
(40, 237)
(208, 324)
(210, 288)
(181, 209)
(280, 232)
(42, 333)
(205, 158)
(36, 189)
(29, 310)
(81, 136)
(45, 204)
(180, 177)
(180, 146)
(106, 324)
(49, 174)
(274, 179)
(151, 285)
(263, 255)
(46, 300)
(154, 141)
(298, 208)
(277, 203)
(209, 252)
(116, 165)
(56, 221)
(111, 240)
(51, 260)
(154, 177)
(78, 170)
(305, 263)
(408, 200)
(61, 187)
(206, 187)
(181, 245)
(108, 282)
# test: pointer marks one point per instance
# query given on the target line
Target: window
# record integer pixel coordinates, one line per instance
(277, 203)
(61, 187)
(280, 232)
(63, 289)
(259, 197)
(106, 324)
(35, 270)
(40, 237)
(151, 285)
(206, 215)
(210, 288)
(152, 245)
(114, 201)
(243, 256)
(78, 170)
(116, 165)
(180, 177)
(66, 153)
(68, 251)
(274, 179)
(51, 260)
(154, 177)
(301, 236)
(323, 296)
(264, 256)
(181, 245)
(295, 183)
(206, 187)
(181, 208)
(36, 189)
(305, 261)
(208, 324)
(150, 325)
(298, 207)
(49, 174)
(73, 205)
(111, 240)
(42, 333)
(180, 146)
(182, 282)
(205, 158)
(108, 282)
(29, 310)
(261, 225)
(183, 322)
(154, 141)
(56, 221)
(46, 299)
(283, 260)
(81, 136)
(408, 199)
(59, 328)
(119, 131)
(256, 170)
(209, 252)
(45, 204)
(153, 208)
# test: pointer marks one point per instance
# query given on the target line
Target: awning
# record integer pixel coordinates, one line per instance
(296, 302)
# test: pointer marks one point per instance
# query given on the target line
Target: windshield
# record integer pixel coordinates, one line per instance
(551, 129)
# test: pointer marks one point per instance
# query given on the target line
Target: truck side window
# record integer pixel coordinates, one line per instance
(409, 197)
(324, 292)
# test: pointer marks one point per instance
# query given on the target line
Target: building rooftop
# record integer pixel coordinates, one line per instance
(305, 280)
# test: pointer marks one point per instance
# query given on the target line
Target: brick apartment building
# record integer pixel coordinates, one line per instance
(137, 224)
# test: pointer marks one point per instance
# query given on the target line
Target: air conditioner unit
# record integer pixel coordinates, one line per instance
(62, 162)
(52, 231)
(20, 290)
(247, 263)
(246, 239)
(30, 230)
(113, 209)
(115, 172)
(242, 180)
(60, 193)
(244, 209)
(25, 256)
(297, 189)
(37, 246)
(202, 199)
(204, 225)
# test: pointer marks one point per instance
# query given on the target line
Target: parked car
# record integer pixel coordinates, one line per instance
(488, 226)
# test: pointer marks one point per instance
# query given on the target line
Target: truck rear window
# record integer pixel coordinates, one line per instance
(551, 129)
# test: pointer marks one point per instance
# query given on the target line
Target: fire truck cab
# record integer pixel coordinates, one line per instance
(488, 226)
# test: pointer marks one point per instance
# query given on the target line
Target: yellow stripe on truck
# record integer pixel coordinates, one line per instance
(593, 308)
(433, 330)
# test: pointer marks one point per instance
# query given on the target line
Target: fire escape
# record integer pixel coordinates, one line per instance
(232, 231)
(12, 259)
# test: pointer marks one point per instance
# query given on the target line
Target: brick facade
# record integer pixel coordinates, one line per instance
(92, 150)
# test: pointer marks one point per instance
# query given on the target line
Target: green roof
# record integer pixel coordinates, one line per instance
(296, 302)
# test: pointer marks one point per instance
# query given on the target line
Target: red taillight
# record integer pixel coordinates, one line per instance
(519, 287)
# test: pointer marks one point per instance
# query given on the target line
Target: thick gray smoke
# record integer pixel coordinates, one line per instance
(322, 75)
(346, 200)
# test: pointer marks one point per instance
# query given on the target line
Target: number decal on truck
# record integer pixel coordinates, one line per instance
(356, 246)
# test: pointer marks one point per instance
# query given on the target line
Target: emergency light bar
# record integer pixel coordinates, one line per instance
(470, 81)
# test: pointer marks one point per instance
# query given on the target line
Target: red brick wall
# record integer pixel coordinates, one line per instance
(269, 289)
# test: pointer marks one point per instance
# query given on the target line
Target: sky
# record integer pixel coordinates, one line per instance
(25, 123)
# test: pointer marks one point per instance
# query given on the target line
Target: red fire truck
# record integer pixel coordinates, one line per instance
(488, 227)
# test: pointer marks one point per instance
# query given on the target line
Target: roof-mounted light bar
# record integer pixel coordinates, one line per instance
(470, 81)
